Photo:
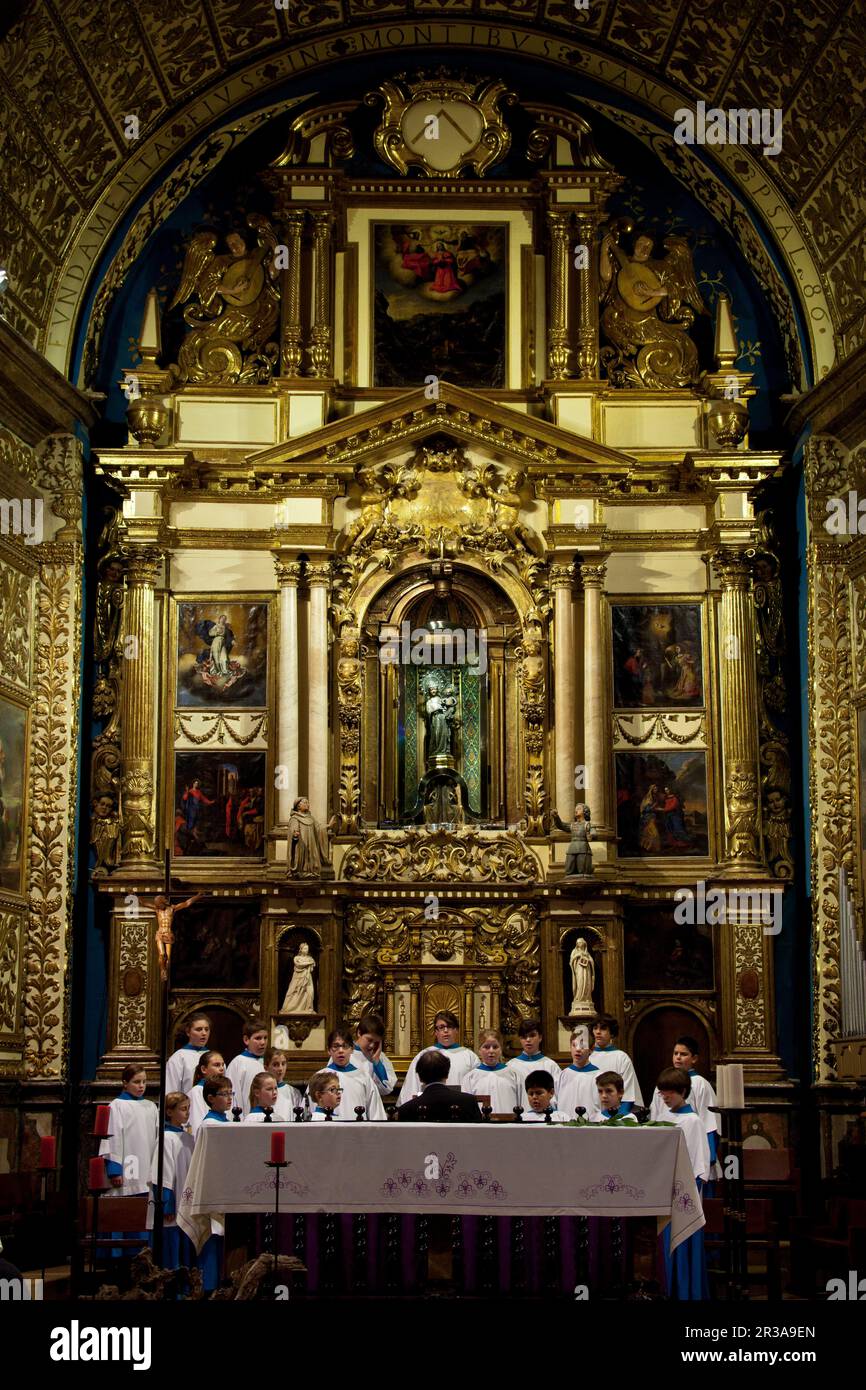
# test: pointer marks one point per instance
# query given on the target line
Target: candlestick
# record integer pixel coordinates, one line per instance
(298, 1114)
(97, 1180)
(269, 1110)
(360, 1112)
(580, 1111)
(237, 1111)
(518, 1114)
(329, 1114)
(278, 1146)
(100, 1123)
(548, 1114)
(47, 1151)
(486, 1112)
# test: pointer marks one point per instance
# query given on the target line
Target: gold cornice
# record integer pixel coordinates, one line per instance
(150, 469)
(837, 405)
(35, 399)
(207, 538)
(728, 470)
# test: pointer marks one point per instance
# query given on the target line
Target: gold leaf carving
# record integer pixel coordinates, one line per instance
(15, 629)
(423, 856)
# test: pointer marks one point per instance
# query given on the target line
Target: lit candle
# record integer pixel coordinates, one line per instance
(47, 1151)
(97, 1180)
(100, 1124)
(278, 1146)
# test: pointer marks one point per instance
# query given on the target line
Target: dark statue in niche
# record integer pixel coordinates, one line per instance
(441, 711)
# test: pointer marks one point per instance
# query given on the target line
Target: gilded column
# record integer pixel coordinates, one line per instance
(587, 311)
(596, 700)
(563, 657)
(558, 349)
(292, 345)
(739, 707)
(320, 333)
(288, 575)
(318, 577)
(139, 703)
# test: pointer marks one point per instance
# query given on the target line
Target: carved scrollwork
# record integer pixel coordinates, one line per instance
(11, 937)
(16, 590)
(774, 744)
(132, 966)
(349, 697)
(532, 695)
(466, 856)
(217, 728)
(750, 1007)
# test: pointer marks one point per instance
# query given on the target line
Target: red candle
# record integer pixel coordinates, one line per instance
(97, 1180)
(100, 1124)
(48, 1151)
(278, 1146)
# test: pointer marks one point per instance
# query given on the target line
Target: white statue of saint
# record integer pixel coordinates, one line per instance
(299, 995)
(582, 979)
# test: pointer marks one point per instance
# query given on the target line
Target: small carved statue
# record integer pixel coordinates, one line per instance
(440, 708)
(105, 834)
(582, 979)
(300, 998)
(578, 856)
(308, 842)
(649, 306)
(165, 915)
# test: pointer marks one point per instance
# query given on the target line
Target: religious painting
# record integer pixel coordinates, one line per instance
(440, 306)
(13, 784)
(217, 945)
(660, 955)
(222, 654)
(657, 655)
(219, 804)
(661, 804)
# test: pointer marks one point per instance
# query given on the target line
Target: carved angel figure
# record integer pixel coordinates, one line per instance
(235, 310)
(648, 307)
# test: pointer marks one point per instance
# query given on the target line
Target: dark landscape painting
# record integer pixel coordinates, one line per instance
(439, 303)
(661, 804)
(222, 655)
(657, 655)
(219, 804)
(660, 955)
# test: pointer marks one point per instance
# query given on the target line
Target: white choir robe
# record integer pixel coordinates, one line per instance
(241, 1072)
(383, 1073)
(523, 1068)
(317, 1115)
(462, 1060)
(620, 1062)
(358, 1089)
(133, 1126)
(501, 1085)
(180, 1068)
(700, 1098)
(576, 1086)
(696, 1138)
(197, 1107)
(257, 1117)
(557, 1117)
(287, 1099)
(177, 1156)
(627, 1116)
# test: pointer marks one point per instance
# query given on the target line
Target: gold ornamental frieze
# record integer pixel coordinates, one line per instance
(423, 856)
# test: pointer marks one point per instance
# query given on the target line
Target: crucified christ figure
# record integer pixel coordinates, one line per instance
(165, 915)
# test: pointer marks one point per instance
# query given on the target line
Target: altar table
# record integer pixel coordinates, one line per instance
(455, 1170)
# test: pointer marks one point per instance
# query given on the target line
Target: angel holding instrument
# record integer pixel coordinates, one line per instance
(649, 305)
(235, 308)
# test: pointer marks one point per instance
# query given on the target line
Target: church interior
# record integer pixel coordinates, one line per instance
(433, 598)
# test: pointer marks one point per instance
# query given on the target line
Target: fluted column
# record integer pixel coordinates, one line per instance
(318, 576)
(596, 698)
(292, 345)
(288, 575)
(587, 310)
(563, 639)
(558, 348)
(739, 706)
(138, 844)
(320, 334)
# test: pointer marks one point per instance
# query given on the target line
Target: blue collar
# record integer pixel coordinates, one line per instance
(200, 1081)
(500, 1066)
(624, 1109)
(684, 1110)
(124, 1095)
(588, 1067)
(258, 1110)
(172, 1129)
(320, 1110)
(692, 1071)
(246, 1053)
(191, 1047)
(217, 1115)
(282, 1083)
(332, 1066)
(609, 1048)
(525, 1057)
(451, 1047)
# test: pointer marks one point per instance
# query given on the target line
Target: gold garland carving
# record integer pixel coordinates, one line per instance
(658, 727)
(412, 856)
(219, 728)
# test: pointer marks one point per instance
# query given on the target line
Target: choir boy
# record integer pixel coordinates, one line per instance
(241, 1069)
(211, 1067)
(531, 1058)
(701, 1096)
(611, 1104)
(177, 1156)
(462, 1059)
(368, 1048)
(133, 1126)
(492, 1077)
(575, 1084)
(686, 1269)
(218, 1099)
(181, 1065)
(541, 1094)
(325, 1093)
(606, 1054)
(357, 1082)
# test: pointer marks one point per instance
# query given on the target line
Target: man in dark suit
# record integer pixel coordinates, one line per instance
(439, 1102)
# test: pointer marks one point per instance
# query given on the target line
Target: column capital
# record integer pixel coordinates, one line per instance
(558, 221)
(319, 572)
(288, 571)
(733, 565)
(142, 565)
(593, 572)
(561, 574)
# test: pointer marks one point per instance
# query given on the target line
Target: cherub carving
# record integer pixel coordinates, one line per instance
(235, 311)
(648, 307)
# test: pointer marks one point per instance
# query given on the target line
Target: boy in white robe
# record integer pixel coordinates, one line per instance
(674, 1087)
(288, 1097)
(492, 1077)
(178, 1148)
(607, 1056)
(211, 1067)
(133, 1125)
(368, 1048)
(541, 1095)
(181, 1065)
(241, 1069)
(218, 1099)
(611, 1103)
(357, 1084)
(531, 1058)
(326, 1093)
(575, 1084)
(701, 1096)
(446, 1029)
(685, 1268)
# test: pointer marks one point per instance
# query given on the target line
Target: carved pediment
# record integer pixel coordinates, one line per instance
(423, 856)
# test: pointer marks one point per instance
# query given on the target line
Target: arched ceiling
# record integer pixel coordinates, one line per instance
(71, 73)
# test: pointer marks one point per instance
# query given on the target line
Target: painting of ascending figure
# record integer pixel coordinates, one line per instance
(222, 654)
(439, 303)
(657, 659)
